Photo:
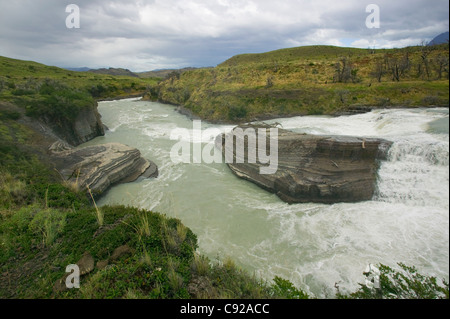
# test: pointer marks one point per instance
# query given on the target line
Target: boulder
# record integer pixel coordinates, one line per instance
(86, 264)
(320, 169)
(102, 264)
(121, 252)
(99, 167)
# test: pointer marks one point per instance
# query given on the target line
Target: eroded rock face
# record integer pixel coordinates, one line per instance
(321, 169)
(99, 167)
(86, 126)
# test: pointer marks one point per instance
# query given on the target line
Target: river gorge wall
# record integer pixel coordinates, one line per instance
(96, 168)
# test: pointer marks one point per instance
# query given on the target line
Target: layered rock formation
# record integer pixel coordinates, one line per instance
(322, 169)
(99, 167)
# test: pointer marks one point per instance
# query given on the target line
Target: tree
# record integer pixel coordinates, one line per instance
(345, 71)
(441, 65)
(269, 82)
(398, 67)
(424, 66)
(378, 71)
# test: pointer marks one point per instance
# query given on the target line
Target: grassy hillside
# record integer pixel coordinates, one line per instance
(23, 74)
(161, 74)
(23, 82)
(115, 72)
(311, 80)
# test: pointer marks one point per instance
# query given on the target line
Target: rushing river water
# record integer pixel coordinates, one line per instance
(313, 245)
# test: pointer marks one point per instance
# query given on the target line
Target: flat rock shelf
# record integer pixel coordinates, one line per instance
(99, 167)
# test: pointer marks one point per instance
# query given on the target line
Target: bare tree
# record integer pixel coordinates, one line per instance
(424, 66)
(441, 65)
(399, 67)
(379, 70)
(345, 71)
(269, 82)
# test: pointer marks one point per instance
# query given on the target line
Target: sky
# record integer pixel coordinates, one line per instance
(144, 35)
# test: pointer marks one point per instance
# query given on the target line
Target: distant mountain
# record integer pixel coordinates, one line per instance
(78, 69)
(162, 73)
(115, 72)
(440, 39)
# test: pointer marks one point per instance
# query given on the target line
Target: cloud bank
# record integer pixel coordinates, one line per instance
(144, 35)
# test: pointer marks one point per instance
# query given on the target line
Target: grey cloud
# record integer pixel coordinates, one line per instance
(141, 34)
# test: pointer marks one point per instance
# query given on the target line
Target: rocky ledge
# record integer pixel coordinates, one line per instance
(99, 167)
(321, 169)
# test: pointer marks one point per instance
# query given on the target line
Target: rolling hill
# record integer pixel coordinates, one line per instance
(310, 80)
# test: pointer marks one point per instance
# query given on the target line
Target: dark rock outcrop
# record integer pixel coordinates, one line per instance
(322, 169)
(99, 167)
(86, 126)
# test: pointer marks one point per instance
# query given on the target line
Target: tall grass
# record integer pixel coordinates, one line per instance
(99, 213)
(48, 223)
(12, 191)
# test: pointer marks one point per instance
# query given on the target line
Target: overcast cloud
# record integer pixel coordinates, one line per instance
(144, 35)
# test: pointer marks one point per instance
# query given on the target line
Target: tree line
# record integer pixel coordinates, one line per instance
(425, 65)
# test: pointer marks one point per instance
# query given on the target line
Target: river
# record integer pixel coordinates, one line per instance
(313, 245)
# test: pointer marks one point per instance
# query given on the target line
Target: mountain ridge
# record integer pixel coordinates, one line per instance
(440, 39)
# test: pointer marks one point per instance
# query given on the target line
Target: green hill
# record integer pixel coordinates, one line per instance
(311, 80)
(162, 73)
(17, 76)
(115, 72)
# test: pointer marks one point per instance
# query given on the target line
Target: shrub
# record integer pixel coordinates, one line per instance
(285, 289)
(48, 223)
(237, 112)
(403, 283)
(12, 190)
(59, 196)
(9, 115)
(20, 92)
(58, 102)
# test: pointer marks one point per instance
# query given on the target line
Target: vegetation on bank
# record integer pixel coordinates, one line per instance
(58, 94)
(311, 80)
(158, 257)
(47, 224)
